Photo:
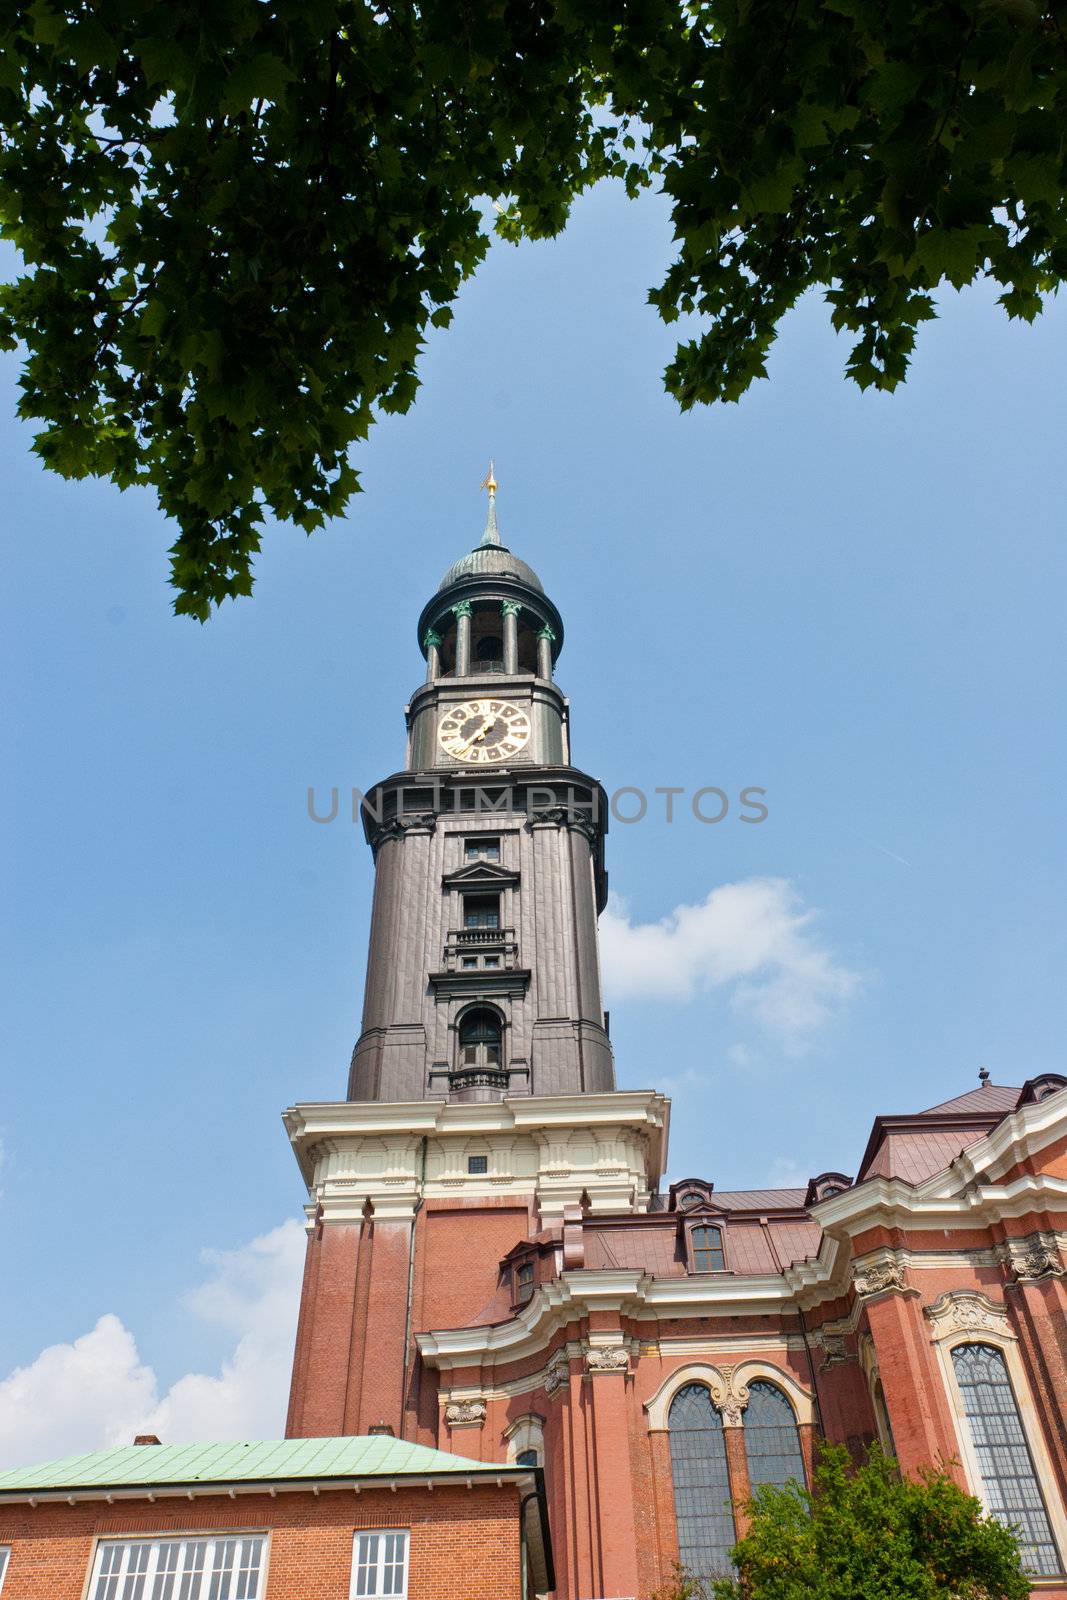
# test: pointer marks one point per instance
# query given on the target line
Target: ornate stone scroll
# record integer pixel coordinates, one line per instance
(731, 1397)
(877, 1277)
(967, 1311)
(608, 1358)
(461, 1413)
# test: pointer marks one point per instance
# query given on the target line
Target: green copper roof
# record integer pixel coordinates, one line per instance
(255, 1461)
(491, 558)
(490, 561)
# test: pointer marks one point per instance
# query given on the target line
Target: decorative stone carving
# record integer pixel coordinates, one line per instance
(397, 827)
(559, 1371)
(565, 816)
(461, 1413)
(731, 1397)
(608, 1358)
(967, 1311)
(1035, 1255)
(834, 1353)
(878, 1277)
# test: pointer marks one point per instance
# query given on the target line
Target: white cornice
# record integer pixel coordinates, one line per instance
(573, 1295)
(344, 1121)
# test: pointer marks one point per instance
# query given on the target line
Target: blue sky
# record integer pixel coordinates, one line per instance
(853, 601)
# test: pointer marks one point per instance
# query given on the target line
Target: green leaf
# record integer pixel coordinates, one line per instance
(262, 77)
(953, 253)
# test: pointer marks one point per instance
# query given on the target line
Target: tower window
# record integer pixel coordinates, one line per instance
(479, 1039)
(490, 650)
(526, 1458)
(524, 1282)
(477, 1164)
(481, 911)
(481, 850)
(708, 1254)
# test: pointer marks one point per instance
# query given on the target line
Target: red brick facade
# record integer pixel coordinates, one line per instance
(473, 1532)
(847, 1298)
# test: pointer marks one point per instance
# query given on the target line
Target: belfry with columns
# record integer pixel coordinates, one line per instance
(494, 1266)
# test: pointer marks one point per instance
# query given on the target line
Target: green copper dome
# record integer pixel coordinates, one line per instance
(491, 561)
(490, 558)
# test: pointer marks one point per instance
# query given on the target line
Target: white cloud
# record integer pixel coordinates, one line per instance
(96, 1391)
(754, 941)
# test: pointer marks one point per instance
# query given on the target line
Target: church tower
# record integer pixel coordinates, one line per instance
(483, 975)
(481, 1107)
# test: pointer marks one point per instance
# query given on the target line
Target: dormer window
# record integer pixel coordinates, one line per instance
(825, 1186)
(525, 1283)
(706, 1249)
(481, 911)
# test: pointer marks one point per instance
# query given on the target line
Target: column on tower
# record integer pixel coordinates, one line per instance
(462, 613)
(509, 610)
(546, 638)
(431, 643)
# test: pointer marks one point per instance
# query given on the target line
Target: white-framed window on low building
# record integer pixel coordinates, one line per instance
(224, 1567)
(380, 1564)
(5, 1557)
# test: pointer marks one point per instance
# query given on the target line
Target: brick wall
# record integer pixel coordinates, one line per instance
(464, 1542)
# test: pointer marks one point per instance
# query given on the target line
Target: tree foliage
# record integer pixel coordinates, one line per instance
(239, 218)
(866, 1533)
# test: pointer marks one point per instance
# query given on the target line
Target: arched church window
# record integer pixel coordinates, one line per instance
(479, 1039)
(702, 1503)
(708, 1254)
(772, 1443)
(527, 1458)
(1009, 1482)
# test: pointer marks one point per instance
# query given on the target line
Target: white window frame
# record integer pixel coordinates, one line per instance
(967, 1316)
(5, 1562)
(125, 1589)
(378, 1593)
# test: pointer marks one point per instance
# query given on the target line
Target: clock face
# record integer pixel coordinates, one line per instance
(484, 732)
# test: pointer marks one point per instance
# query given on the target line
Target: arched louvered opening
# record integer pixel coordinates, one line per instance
(702, 1506)
(1009, 1482)
(772, 1443)
(479, 1039)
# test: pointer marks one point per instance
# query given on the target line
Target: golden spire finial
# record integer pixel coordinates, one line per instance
(492, 532)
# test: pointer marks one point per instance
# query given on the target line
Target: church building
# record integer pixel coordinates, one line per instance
(524, 1365)
(494, 1267)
